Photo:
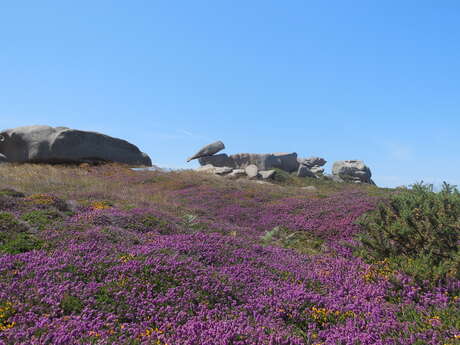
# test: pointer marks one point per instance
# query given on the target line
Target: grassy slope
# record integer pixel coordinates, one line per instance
(187, 258)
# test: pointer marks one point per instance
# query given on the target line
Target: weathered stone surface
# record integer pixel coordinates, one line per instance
(312, 161)
(310, 188)
(220, 160)
(45, 144)
(222, 170)
(237, 173)
(252, 171)
(208, 168)
(3, 159)
(263, 161)
(287, 161)
(267, 161)
(303, 171)
(267, 174)
(317, 170)
(353, 171)
(208, 150)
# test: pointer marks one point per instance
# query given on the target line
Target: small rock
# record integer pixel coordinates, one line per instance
(208, 168)
(222, 170)
(310, 188)
(305, 172)
(237, 173)
(252, 171)
(312, 161)
(208, 150)
(317, 170)
(267, 174)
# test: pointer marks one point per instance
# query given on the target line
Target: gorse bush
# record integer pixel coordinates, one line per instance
(418, 230)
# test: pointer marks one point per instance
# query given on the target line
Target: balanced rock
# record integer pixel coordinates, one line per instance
(312, 162)
(303, 171)
(352, 171)
(252, 171)
(208, 150)
(45, 144)
(220, 160)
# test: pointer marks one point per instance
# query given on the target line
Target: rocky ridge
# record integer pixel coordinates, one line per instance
(262, 165)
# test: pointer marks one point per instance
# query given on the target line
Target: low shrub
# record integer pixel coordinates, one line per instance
(418, 230)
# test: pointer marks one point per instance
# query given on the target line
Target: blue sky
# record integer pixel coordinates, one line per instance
(371, 80)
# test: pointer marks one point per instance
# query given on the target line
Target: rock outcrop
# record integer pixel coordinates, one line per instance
(262, 165)
(208, 150)
(45, 144)
(352, 171)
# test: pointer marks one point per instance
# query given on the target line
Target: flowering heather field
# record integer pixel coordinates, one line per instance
(106, 255)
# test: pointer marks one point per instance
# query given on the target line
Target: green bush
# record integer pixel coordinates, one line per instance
(418, 230)
(40, 218)
(14, 238)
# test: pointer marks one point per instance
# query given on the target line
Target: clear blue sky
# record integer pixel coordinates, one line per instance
(372, 80)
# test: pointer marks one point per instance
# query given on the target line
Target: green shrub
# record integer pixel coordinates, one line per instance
(71, 304)
(14, 238)
(40, 218)
(20, 243)
(418, 230)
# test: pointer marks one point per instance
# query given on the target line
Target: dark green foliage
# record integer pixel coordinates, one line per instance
(71, 304)
(21, 243)
(418, 230)
(14, 237)
(40, 218)
(11, 192)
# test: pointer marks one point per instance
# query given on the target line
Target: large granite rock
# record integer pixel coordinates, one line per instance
(208, 150)
(45, 144)
(261, 160)
(266, 161)
(220, 160)
(352, 171)
(287, 161)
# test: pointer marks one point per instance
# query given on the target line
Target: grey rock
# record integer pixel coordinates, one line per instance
(45, 144)
(267, 161)
(303, 171)
(310, 188)
(3, 159)
(252, 171)
(317, 170)
(287, 161)
(312, 161)
(267, 174)
(208, 150)
(263, 161)
(220, 160)
(353, 171)
(208, 168)
(237, 173)
(222, 170)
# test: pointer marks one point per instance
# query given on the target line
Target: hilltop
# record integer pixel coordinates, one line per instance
(108, 255)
